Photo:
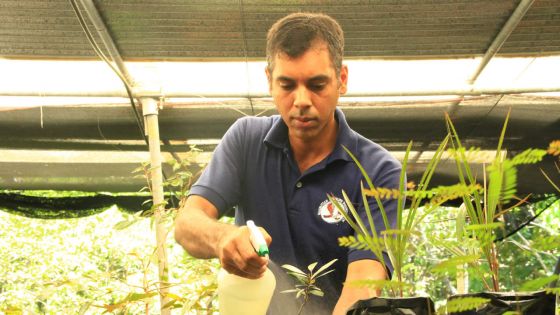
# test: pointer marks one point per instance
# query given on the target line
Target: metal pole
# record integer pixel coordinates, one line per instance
(150, 111)
(502, 36)
(108, 41)
(496, 44)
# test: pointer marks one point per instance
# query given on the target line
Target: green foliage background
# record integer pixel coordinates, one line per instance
(529, 254)
(79, 265)
(76, 265)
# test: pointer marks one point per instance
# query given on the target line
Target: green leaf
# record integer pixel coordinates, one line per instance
(552, 291)
(299, 277)
(353, 242)
(311, 266)
(323, 274)
(450, 265)
(174, 296)
(124, 224)
(547, 243)
(539, 283)
(316, 292)
(485, 227)
(290, 291)
(293, 269)
(324, 267)
(379, 284)
(133, 297)
(529, 156)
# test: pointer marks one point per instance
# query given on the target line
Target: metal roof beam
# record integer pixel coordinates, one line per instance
(498, 41)
(502, 36)
(106, 38)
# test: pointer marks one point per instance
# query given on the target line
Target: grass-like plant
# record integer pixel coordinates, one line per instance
(396, 240)
(484, 208)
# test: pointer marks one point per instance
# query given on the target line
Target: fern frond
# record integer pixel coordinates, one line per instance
(539, 283)
(502, 184)
(554, 148)
(465, 303)
(483, 233)
(380, 284)
(450, 265)
(509, 182)
(352, 242)
(552, 290)
(529, 156)
(443, 193)
(361, 243)
(383, 193)
(485, 227)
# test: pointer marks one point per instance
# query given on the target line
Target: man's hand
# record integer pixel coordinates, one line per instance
(359, 270)
(237, 255)
(201, 235)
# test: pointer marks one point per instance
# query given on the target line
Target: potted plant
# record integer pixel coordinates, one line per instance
(479, 226)
(395, 241)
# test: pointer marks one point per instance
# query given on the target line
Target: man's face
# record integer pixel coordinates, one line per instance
(306, 90)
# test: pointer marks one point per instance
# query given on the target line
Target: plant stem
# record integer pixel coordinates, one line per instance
(305, 297)
(494, 267)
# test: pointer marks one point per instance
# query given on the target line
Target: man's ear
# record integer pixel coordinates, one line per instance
(343, 83)
(269, 78)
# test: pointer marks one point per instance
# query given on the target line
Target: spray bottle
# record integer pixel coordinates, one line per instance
(238, 295)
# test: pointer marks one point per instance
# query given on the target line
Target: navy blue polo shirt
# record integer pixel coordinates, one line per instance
(253, 170)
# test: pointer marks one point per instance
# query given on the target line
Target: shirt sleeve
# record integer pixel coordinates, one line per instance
(387, 179)
(220, 182)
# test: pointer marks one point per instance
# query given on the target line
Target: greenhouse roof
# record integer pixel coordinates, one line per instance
(66, 122)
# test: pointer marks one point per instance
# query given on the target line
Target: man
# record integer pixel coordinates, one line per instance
(279, 170)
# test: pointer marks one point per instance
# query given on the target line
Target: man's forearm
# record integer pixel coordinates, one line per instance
(198, 233)
(359, 270)
(202, 236)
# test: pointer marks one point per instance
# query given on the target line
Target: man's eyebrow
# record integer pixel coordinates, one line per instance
(320, 77)
(284, 78)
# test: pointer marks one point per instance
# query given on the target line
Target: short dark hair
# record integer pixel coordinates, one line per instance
(296, 33)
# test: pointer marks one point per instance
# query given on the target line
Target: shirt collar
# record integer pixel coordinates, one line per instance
(277, 137)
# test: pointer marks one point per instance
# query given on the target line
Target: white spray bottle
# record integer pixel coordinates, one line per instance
(238, 295)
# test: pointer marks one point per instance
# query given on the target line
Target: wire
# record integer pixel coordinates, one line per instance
(99, 52)
(531, 219)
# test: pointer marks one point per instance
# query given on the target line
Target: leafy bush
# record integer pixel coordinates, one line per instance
(86, 265)
(529, 254)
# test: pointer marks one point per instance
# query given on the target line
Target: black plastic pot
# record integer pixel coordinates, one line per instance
(393, 306)
(527, 303)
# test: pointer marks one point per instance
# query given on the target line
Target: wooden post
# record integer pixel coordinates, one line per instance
(150, 112)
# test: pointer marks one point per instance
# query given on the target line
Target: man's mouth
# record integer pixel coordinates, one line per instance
(303, 122)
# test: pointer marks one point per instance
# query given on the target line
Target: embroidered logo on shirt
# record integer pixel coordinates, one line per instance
(329, 212)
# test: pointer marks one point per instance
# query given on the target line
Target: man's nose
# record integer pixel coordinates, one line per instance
(302, 97)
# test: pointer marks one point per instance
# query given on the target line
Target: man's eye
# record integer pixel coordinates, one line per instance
(287, 87)
(317, 87)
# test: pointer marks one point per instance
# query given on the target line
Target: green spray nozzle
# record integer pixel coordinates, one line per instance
(257, 239)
